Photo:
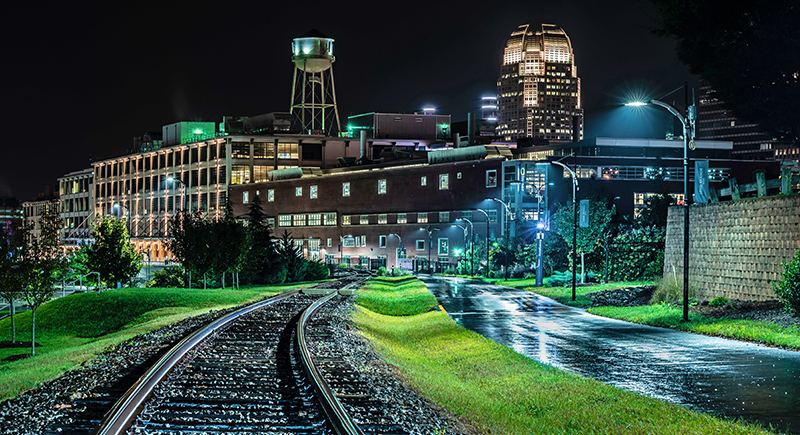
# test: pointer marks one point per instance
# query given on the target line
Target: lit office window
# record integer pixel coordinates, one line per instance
(402, 218)
(346, 189)
(298, 191)
(444, 181)
(422, 218)
(312, 192)
(271, 195)
(381, 187)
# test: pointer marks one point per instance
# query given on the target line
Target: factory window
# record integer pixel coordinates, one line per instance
(466, 214)
(345, 220)
(240, 150)
(381, 187)
(402, 218)
(491, 178)
(298, 191)
(420, 245)
(260, 174)
(423, 181)
(330, 242)
(346, 188)
(285, 220)
(363, 240)
(271, 195)
(363, 220)
(299, 220)
(330, 218)
(315, 219)
(349, 242)
(422, 218)
(458, 175)
(312, 192)
(492, 215)
(444, 181)
(444, 216)
(287, 150)
(271, 222)
(382, 218)
(240, 174)
(382, 241)
(245, 197)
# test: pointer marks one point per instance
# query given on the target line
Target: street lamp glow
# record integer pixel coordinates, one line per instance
(636, 103)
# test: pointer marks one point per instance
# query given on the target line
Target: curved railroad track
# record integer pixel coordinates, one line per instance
(251, 371)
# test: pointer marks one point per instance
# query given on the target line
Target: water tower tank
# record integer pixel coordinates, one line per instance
(313, 52)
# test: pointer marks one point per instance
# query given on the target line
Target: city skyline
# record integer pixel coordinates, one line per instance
(90, 80)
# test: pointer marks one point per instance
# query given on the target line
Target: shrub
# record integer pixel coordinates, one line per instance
(172, 276)
(450, 272)
(382, 271)
(519, 271)
(316, 270)
(558, 279)
(670, 291)
(788, 289)
(719, 301)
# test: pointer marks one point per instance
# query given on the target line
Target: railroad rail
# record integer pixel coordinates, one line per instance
(251, 371)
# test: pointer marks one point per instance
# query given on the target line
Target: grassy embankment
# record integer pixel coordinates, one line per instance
(76, 328)
(670, 315)
(564, 294)
(500, 391)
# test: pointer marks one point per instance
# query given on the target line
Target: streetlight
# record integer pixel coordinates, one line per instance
(574, 224)
(399, 247)
(688, 142)
(486, 272)
(505, 221)
(172, 178)
(472, 236)
(430, 231)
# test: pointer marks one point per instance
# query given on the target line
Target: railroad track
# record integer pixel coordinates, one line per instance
(251, 371)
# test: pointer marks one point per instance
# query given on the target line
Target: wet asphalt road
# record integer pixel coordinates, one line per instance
(719, 376)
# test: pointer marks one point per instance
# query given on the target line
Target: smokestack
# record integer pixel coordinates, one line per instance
(457, 140)
(363, 144)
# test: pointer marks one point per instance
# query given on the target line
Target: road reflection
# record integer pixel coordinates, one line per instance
(723, 377)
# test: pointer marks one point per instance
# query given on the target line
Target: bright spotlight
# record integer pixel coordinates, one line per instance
(636, 103)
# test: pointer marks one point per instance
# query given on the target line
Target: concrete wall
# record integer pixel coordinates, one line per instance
(735, 247)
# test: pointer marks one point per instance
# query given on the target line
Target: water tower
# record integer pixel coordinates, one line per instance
(313, 93)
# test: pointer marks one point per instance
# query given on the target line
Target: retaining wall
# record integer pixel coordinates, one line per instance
(736, 247)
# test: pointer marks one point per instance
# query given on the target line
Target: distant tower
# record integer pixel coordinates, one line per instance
(539, 92)
(313, 93)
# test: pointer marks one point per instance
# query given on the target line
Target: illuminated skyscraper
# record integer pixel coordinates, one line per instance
(539, 92)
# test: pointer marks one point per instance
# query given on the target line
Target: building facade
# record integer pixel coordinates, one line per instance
(76, 197)
(538, 92)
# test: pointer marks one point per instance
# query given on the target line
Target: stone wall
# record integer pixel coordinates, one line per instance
(735, 247)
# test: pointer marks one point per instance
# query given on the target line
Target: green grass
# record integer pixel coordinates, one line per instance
(564, 294)
(502, 392)
(396, 296)
(669, 316)
(76, 328)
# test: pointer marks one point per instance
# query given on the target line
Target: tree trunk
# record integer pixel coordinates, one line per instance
(205, 281)
(223, 280)
(33, 330)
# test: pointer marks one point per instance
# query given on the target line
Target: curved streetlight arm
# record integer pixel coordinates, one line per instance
(671, 110)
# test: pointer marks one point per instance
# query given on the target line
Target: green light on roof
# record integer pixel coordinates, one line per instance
(198, 131)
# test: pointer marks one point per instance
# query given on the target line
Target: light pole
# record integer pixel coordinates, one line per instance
(399, 247)
(430, 232)
(486, 272)
(172, 178)
(472, 236)
(688, 142)
(507, 219)
(574, 224)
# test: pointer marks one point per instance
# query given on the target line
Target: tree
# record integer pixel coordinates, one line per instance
(112, 255)
(749, 52)
(42, 262)
(230, 246)
(262, 264)
(191, 238)
(654, 213)
(599, 217)
(292, 258)
(12, 242)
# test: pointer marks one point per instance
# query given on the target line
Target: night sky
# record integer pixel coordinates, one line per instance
(85, 80)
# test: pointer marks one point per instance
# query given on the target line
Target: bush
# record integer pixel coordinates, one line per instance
(788, 289)
(381, 271)
(670, 291)
(558, 279)
(316, 270)
(450, 272)
(720, 301)
(519, 271)
(172, 276)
